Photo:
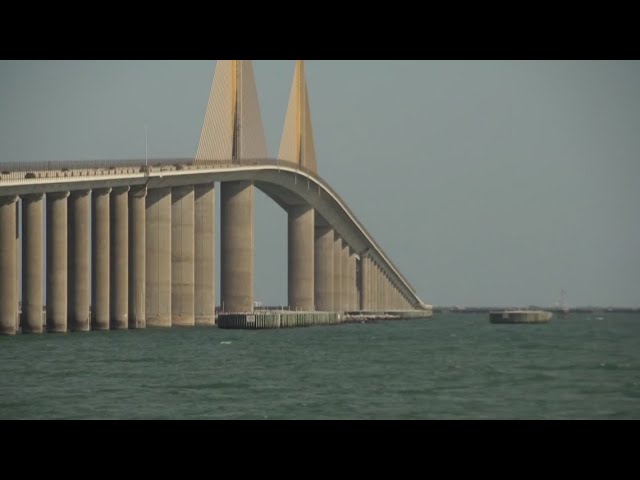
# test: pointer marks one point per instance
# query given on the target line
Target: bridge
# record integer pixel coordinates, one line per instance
(131, 244)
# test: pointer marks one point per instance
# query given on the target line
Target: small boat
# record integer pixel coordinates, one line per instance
(520, 316)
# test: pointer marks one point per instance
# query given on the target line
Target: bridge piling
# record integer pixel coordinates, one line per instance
(205, 266)
(236, 246)
(57, 261)
(8, 261)
(182, 257)
(364, 282)
(158, 258)
(78, 260)
(345, 285)
(323, 268)
(301, 257)
(137, 257)
(353, 288)
(32, 263)
(337, 273)
(100, 258)
(119, 274)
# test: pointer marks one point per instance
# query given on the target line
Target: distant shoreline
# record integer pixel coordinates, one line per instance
(547, 309)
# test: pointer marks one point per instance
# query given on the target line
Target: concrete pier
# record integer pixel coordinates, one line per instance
(377, 305)
(119, 275)
(204, 263)
(385, 289)
(78, 257)
(277, 319)
(137, 257)
(57, 266)
(100, 258)
(370, 286)
(337, 273)
(380, 296)
(8, 261)
(301, 226)
(323, 269)
(346, 285)
(158, 258)
(273, 319)
(32, 263)
(18, 260)
(182, 257)
(236, 246)
(353, 290)
(364, 282)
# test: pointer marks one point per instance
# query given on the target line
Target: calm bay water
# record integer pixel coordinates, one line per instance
(448, 367)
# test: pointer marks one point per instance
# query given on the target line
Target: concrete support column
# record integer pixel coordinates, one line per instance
(346, 285)
(387, 290)
(57, 265)
(8, 262)
(323, 269)
(236, 246)
(119, 275)
(364, 282)
(205, 251)
(32, 263)
(337, 273)
(158, 258)
(18, 260)
(137, 257)
(301, 225)
(383, 281)
(373, 279)
(381, 288)
(369, 279)
(182, 257)
(78, 257)
(353, 290)
(378, 303)
(100, 258)
(392, 291)
(368, 286)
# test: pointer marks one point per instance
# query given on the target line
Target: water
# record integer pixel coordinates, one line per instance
(449, 367)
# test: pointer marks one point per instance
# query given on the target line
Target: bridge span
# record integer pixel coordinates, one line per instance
(131, 244)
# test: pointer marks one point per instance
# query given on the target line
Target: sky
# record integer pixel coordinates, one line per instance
(486, 182)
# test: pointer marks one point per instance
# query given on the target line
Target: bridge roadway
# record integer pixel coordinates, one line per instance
(287, 183)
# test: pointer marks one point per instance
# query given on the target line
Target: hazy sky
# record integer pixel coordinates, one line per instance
(487, 182)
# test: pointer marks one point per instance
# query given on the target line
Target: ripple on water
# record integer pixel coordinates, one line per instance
(449, 367)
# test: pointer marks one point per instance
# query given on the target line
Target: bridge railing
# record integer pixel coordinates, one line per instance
(24, 172)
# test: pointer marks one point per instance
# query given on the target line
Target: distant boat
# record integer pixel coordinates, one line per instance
(520, 316)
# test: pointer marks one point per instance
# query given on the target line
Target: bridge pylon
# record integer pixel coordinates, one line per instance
(232, 130)
(297, 143)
